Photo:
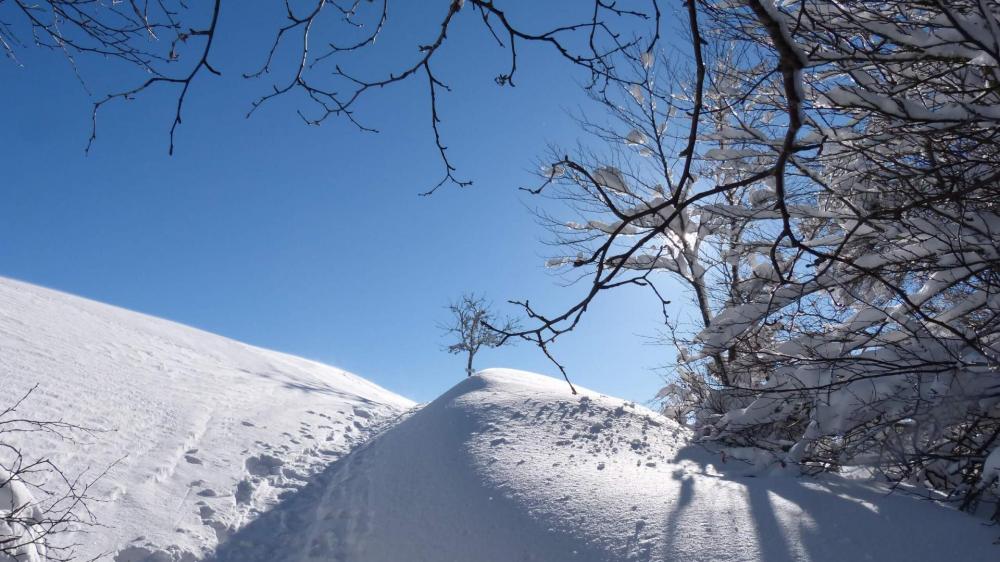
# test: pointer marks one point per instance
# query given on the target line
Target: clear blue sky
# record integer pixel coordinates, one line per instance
(310, 240)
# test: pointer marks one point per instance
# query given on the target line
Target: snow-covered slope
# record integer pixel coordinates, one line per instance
(273, 458)
(510, 466)
(206, 431)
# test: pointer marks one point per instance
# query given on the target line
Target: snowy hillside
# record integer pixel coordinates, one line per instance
(232, 453)
(509, 466)
(206, 431)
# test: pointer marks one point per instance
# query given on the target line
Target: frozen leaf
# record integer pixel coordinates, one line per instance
(635, 137)
(636, 91)
(647, 59)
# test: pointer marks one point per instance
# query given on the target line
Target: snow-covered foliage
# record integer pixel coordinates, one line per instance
(826, 187)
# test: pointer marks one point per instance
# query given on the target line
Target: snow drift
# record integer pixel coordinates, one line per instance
(202, 433)
(510, 466)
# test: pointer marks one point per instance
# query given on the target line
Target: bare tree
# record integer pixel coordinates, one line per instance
(475, 326)
(173, 42)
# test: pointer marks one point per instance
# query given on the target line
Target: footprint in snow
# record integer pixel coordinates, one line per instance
(263, 465)
(244, 491)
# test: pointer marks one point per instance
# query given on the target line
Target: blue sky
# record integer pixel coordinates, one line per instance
(310, 240)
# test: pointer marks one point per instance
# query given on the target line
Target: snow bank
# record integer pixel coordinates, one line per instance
(510, 466)
(207, 432)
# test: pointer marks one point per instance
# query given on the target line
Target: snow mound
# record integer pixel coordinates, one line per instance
(510, 466)
(203, 433)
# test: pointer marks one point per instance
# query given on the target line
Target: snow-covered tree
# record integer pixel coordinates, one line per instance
(822, 177)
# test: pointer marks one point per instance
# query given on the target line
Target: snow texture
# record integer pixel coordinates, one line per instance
(509, 465)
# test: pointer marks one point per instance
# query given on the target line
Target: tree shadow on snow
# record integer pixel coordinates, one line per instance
(323, 389)
(803, 518)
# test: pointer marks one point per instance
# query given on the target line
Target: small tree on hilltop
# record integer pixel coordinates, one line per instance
(475, 326)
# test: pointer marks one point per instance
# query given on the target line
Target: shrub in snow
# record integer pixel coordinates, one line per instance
(31, 524)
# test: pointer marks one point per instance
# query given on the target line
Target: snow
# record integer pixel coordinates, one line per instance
(206, 431)
(635, 137)
(648, 59)
(20, 511)
(233, 453)
(610, 178)
(509, 465)
(636, 91)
